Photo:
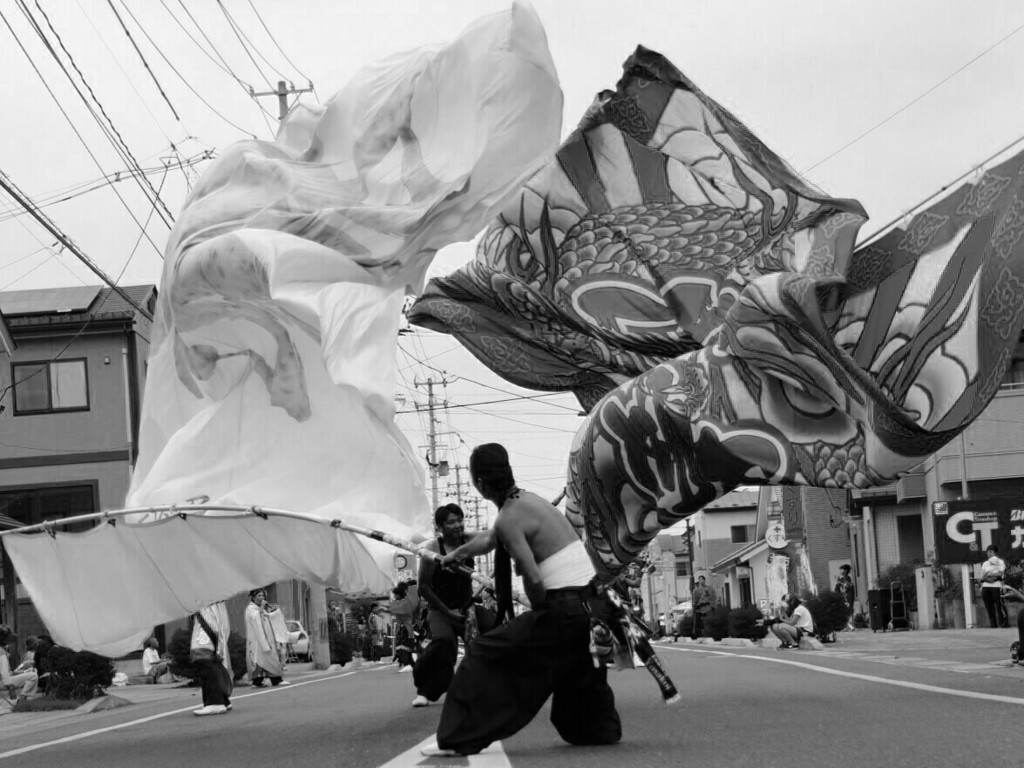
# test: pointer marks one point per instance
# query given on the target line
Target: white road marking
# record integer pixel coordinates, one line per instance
(151, 718)
(492, 757)
(868, 678)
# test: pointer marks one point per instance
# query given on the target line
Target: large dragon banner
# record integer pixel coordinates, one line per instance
(709, 309)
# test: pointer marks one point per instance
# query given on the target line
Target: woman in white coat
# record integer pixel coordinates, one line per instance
(262, 656)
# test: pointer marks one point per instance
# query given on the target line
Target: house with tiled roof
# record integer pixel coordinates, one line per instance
(72, 373)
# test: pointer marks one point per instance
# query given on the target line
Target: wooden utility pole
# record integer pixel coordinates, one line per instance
(432, 443)
(284, 90)
(432, 463)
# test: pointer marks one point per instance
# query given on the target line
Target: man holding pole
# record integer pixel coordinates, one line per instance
(447, 594)
(509, 672)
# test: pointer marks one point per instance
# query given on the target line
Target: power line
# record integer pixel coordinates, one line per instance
(71, 124)
(242, 40)
(223, 63)
(23, 200)
(911, 103)
(181, 77)
(226, 67)
(84, 188)
(941, 191)
(120, 145)
(117, 63)
(276, 45)
(143, 59)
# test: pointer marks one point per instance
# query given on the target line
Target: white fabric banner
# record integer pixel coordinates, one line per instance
(272, 370)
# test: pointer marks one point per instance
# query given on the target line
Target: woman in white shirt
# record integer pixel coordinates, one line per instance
(795, 625)
(992, 571)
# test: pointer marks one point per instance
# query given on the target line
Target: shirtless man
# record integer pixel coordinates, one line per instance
(509, 672)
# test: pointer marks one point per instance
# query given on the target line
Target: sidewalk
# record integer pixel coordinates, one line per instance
(128, 698)
(960, 648)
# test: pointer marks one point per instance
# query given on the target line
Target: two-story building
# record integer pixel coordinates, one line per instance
(689, 549)
(70, 395)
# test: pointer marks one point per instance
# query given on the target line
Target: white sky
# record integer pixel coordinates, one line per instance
(935, 85)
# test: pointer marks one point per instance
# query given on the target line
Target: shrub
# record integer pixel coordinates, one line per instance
(341, 646)
(829, 612)
(946, 583)
(743, 623)
(905, 573)
(181, 662)
(716, 623)
(684, 625)
(78, 675)
(1014, 575)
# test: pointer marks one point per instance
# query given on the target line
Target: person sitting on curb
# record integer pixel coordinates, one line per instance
(796, 624)
(21, 684)
(153, 666)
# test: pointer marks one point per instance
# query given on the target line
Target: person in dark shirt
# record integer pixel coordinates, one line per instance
(447, 594)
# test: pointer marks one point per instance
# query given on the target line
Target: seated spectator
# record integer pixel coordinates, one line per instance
(22, 683)
(152, 665)
(28, 661)
(43, 645)
(795, 624)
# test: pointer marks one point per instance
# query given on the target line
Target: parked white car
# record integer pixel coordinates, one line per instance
(298, 641)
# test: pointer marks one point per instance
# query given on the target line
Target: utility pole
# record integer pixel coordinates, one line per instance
(284, 90)
(432, 438)
(437, 468)
(458, 485)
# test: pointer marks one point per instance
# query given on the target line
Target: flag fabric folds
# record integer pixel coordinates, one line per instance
(272, 367)
(629, 248)
(709, 309)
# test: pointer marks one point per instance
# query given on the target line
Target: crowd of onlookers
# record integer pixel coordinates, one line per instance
(378, 629)
(30, 675)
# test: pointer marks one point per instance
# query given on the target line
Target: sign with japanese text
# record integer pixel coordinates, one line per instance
(965, 528)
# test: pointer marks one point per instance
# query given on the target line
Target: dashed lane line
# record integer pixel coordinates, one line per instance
(492, 757)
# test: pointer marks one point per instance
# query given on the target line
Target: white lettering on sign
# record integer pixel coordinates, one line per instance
(981, 525)
(1018, 537)
(1017, 515)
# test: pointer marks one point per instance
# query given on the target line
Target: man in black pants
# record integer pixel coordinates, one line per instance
(509, 672)
(447, 593)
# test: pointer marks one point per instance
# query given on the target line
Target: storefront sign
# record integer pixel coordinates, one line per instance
(964, 529)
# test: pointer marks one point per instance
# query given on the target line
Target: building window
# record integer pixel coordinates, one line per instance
(682, 568)
(741, 534)
(50, 387)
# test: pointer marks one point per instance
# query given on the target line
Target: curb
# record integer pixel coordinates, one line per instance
(102, 703)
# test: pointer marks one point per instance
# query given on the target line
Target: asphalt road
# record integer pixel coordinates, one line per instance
(741, 706)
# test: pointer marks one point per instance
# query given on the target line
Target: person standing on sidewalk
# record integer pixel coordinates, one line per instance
(702, 600)
(846, 588)
(208, 652)
(992, 571)
(446, 593)
(262, 657)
